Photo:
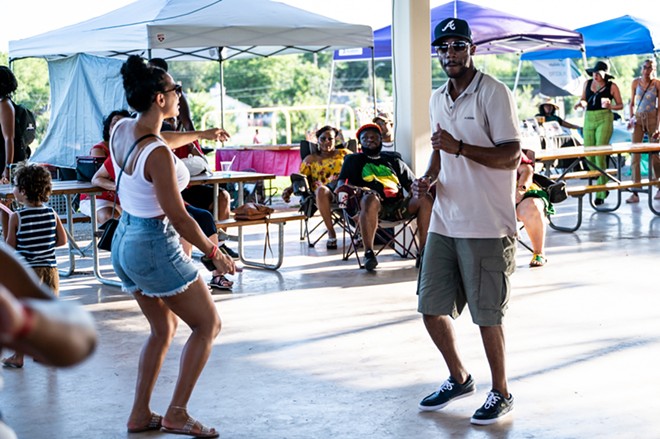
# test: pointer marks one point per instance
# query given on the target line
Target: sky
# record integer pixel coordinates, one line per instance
(33, 17)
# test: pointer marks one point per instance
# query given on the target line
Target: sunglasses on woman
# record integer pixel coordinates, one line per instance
(177, 89)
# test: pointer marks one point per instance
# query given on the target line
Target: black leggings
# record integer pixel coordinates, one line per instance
(204, 218)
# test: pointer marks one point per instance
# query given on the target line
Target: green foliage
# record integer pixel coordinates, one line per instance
(295, 80)
(198, 76)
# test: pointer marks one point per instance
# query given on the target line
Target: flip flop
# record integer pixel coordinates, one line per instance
(204, 432)
(10, 364)
(538, 260)
(155, 423)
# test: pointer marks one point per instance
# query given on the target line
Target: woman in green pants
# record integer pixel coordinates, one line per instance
(599, 96)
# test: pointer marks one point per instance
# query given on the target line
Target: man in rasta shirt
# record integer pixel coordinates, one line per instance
(382, 177)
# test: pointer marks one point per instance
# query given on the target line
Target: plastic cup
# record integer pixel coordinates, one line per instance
(225, 166)
(604, 102)
(342, 200)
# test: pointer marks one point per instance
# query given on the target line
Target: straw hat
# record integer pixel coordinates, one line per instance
(548, 101)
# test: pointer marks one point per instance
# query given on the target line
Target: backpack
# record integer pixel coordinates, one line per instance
(25, 126)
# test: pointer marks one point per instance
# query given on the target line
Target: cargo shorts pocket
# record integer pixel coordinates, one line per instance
(493, 288)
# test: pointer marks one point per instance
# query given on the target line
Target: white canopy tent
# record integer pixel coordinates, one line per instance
(214, 30)
(197, 29)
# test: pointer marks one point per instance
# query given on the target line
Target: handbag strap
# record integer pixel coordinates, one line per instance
(121, 170)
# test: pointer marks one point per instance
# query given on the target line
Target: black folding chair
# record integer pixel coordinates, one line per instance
(397, 235)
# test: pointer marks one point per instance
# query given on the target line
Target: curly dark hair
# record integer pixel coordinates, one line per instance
(108, 120)
(141, 82)
(8, 83)
(326, 128)
(34, 180)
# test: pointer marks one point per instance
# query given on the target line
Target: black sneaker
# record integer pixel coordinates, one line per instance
(229, 252)
(370, 261)
(448, 392)
(495, 408)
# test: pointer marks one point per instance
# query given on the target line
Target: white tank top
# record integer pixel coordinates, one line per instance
(137, 194)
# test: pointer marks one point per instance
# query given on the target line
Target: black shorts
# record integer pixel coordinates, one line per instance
(199, 196)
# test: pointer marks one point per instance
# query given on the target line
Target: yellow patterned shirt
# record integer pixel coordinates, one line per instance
(323, 170)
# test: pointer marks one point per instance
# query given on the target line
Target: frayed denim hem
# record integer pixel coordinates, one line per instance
(131, 290)
(172, 292)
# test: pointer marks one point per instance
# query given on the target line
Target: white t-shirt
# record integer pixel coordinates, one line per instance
(475, 201)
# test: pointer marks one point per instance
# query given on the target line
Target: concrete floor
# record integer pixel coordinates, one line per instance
(321, 349)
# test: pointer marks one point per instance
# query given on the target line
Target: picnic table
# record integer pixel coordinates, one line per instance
(584, 154)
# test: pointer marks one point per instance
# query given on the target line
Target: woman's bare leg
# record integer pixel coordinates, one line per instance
(323, 202)
(163, 325)
(196, 308)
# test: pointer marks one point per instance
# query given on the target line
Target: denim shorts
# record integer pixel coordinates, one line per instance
(460, 271)
(148, 257)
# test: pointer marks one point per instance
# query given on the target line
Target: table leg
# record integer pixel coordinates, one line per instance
(73, 246)
(95, 248)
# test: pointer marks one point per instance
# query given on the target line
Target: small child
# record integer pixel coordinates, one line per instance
(35, 231)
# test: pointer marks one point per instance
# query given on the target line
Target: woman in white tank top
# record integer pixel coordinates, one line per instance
(146, 252)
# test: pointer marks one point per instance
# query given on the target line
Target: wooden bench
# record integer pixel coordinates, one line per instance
(279, 218)
(580, 175)
(76, 218)
(580, 191)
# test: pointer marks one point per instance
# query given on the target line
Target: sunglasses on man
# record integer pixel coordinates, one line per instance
(456, 46)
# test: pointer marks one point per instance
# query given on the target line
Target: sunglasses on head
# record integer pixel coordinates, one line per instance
(457, 46)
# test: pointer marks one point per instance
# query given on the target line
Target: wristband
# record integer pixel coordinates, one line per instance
(213, 252)
(460, 148)
(28, 324)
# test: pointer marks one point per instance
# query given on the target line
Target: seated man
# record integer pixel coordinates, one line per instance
(532, 208)
(383, 176)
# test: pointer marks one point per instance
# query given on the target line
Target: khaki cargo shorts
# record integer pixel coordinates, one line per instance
(456, 271)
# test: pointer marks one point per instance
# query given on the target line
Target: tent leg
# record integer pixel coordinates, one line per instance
(515, 84)
(373, 79)
(332, 79)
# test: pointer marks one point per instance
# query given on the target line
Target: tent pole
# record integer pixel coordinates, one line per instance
(332, 79)
(222, 89)
(515, 84)
(373, 78)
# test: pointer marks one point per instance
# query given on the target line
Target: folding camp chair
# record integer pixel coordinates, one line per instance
(302, 188)
(397, 235)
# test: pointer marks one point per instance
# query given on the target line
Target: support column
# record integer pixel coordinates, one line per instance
(411, 61)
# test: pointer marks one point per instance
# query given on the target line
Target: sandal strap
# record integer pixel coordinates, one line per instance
(188, 426)
(155, 421)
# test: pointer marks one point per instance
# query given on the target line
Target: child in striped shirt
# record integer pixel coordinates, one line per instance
(35, 231)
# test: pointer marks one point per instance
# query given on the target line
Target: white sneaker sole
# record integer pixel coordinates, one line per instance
(490, 421)
(432, 408)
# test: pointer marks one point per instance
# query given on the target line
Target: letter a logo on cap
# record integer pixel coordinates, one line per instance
(449, 25)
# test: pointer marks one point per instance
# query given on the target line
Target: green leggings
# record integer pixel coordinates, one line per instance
(597, 131)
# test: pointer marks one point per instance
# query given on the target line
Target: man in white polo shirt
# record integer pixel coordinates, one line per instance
(470, 250)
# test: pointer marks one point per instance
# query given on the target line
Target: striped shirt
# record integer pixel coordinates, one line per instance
(37, 235)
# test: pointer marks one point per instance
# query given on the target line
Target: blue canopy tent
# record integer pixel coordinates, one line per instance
(624, 35)
(493, 31)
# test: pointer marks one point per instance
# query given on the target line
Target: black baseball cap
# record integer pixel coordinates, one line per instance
(452, 27)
